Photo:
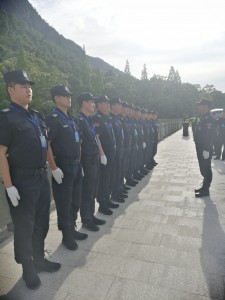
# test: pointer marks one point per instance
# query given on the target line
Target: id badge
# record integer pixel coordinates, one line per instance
(76, 136)
(43, 141)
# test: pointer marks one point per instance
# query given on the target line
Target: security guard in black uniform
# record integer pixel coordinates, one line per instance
(115, 187)
(90, 160)
(156, 136)
(221, 136)
(150, 145)
(64, 160)
(130, 181)
(23, 156)
(105, 133)
(126, 145)
(203, 137)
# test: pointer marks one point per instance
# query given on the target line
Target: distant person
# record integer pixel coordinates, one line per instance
(23, 156)
(185, 125)
(203, 137)
(64, 160)
(156, 136)
(221, 137)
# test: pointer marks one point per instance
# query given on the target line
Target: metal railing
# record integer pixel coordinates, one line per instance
(166, 128)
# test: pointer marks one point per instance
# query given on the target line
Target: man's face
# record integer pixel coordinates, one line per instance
(90, 106)
(104, 107)
(116, 108)
(63, 101)
(21, 93)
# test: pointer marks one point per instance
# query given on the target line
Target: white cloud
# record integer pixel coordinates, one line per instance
(188, 34)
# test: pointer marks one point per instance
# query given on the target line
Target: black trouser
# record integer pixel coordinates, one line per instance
(139, 160)
(91, 167)
(67, 195)
(116, 173)
(132, 161)
(31, 216)
(105, 178)
(205, 167)
(221, 144)
(124, 164)
(150, 153)
(155, 146)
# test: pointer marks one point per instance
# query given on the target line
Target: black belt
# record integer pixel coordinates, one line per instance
(28, 172)
(67, 161)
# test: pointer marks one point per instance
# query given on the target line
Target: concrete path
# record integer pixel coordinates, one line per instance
(163, 243)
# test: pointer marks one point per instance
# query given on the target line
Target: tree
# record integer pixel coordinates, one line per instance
(174, 76)
(144, 73)
(127, 68)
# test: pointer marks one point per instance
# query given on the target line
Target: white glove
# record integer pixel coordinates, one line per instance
(13, 195)
(58, 175)
(144, 145)
(205, 154)
(103, 160)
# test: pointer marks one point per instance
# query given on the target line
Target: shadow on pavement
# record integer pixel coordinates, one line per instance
(212, 252)
(72, 260)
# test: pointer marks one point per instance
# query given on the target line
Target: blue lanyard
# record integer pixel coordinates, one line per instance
(33, 120)
(69, 121)
(89, 125)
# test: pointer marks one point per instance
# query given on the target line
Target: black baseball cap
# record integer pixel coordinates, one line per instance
(16, 76)
(102, 99)
(60, 90)
(86, 96)
(115, 100)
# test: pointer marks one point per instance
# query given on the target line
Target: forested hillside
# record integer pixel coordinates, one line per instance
(28, 42)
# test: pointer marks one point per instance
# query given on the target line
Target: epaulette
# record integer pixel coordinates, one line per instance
(5, 110)
(36, 111)
(55, 115)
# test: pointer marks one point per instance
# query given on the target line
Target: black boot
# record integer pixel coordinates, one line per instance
(30, 275)
(79, 235)
(202, 193)
(111, 204)
(44, 265)
(68, 239)
(104, 209)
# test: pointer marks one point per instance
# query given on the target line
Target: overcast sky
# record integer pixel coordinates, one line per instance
(186, 34)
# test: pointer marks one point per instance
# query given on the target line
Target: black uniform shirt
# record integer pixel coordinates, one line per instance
(127, 132)
(140, 133)
(205, 132)
(89, 144)
(24, 134)
(134, 132)
(150, 130)
(104, 128)
(118, 129)
(156, 130)
(64, 135)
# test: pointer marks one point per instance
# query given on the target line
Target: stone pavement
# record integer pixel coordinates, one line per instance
(163, 243)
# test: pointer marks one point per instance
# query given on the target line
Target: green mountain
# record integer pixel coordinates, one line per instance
(28, 42)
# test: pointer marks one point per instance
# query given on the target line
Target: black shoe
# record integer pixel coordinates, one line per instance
(90, 226)
(30, 275)
(118, 200)
(130, 183)
(217, 157)
(123, 191)
(198, 190)
(45, 265)
(121, 195)
(127, 188)
(103, 209)
(79, 235)
(202, 193)
(98, 221)
(111, 204)
(68, 239)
